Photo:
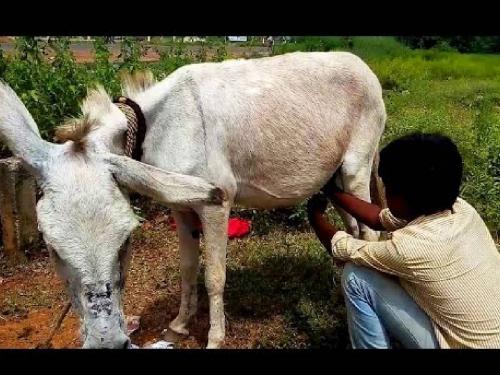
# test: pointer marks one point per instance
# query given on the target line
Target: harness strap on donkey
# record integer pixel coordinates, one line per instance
(136, 126)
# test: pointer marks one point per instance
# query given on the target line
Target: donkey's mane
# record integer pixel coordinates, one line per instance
(97, 103)
(136, 83)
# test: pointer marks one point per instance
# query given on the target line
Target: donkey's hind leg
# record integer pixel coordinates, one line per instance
(355, 173)
(350, 223)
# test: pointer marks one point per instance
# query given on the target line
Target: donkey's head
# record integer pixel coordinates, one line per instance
(84, 213)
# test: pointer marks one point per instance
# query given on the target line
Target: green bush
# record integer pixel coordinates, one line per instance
(313, 43)
(469, 43)
(220, 52)
(130, 53)
(171, 58)
(50, 90)
(105, 72)
(3, 63)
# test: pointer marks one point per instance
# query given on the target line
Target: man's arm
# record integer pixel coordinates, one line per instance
(366, 213)
(316, 207)
(382, 256)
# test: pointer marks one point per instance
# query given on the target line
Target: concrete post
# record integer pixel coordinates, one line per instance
(17, 209)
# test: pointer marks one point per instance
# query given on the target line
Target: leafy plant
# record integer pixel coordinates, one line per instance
(105, 72)
(220, 52)
(130, 53)
(3, 63)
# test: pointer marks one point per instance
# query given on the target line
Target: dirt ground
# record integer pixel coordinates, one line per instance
(32, 296)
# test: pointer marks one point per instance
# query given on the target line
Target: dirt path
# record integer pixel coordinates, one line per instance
(84, 53)
(33, 295)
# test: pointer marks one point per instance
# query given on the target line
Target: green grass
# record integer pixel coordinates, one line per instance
(457, 95)
(286, 277)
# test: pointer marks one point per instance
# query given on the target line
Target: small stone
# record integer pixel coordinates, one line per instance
(25, 332)
(133, 323)
(160, 345)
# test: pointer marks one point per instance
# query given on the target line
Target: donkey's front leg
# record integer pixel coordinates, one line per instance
(189, 248)
(214, 220)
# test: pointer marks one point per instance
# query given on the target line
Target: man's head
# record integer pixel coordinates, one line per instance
(422, 174)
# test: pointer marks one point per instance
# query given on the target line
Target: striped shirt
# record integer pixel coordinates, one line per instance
(448, 263)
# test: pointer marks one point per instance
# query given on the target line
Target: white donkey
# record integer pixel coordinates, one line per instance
(269, 132)
(85, 217)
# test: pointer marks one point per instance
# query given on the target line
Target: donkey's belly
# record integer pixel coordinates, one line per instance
(253, 197)
(276, 165)
(283, 188)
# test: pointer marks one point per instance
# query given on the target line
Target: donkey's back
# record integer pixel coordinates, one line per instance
(270, 131)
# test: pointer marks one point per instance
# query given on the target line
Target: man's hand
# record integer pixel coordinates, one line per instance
(317, 204)
(365, 212)
(331, 187)
(316, 207)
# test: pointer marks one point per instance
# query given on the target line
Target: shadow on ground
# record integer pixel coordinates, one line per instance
(296, 290)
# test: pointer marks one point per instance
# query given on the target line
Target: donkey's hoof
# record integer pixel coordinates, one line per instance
(178, 327)
(215, 343)
(172, 336)
(175, 333)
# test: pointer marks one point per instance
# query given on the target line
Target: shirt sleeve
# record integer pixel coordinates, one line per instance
(389, 221)
(380, 255)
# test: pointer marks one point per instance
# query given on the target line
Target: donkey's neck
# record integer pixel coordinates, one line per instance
(151, 100)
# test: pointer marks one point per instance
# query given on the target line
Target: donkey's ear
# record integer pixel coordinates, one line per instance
(165, 187)
(18, 130)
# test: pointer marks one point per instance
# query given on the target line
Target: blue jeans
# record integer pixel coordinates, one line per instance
(379, 311)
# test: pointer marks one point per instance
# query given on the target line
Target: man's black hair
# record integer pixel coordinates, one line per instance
(425, 169)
